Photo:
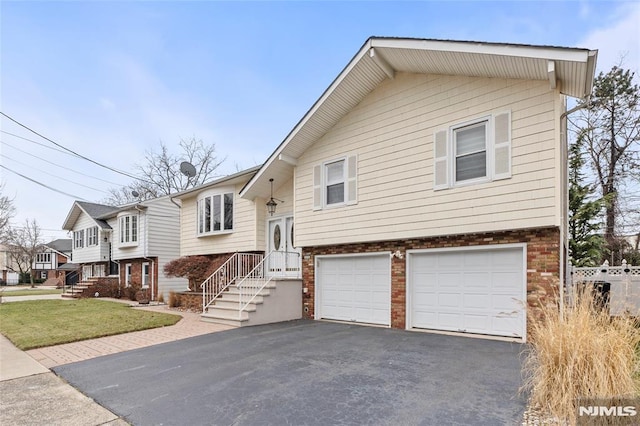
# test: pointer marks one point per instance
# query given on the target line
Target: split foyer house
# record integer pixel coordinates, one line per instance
(426, 189)
(132, 242)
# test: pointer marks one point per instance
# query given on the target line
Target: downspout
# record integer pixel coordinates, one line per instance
(564, 250)
(146, 246)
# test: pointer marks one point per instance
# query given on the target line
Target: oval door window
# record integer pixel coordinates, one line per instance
(276, 237)
(292, 245)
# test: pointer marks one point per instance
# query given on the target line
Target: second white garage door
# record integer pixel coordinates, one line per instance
(354, 288)
(469, 290)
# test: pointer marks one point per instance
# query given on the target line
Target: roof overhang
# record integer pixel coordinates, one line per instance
(233, 179)
(569, 70)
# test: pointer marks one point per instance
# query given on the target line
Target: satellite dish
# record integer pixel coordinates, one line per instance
(135, 194)
(187, 169)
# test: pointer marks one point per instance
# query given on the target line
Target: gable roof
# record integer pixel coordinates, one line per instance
(61, 245)
(93, 210)
(569, 69)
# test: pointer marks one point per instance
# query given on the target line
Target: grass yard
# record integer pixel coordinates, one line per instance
(30, 292)
(39, 323)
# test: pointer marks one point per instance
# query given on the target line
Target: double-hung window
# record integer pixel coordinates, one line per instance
(215, 213)
(43, 258)
(477, 151)
(334, 182)
(92, 236)
(128, 229)
(470, 144)
(78, 239)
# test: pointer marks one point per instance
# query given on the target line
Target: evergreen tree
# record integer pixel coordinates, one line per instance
(585, 243)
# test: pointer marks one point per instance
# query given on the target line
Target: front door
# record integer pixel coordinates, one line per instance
(285, 259)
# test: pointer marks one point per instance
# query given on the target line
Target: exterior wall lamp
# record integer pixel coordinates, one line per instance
(271, 204)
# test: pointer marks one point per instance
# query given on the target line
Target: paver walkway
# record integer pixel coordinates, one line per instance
(189, 326)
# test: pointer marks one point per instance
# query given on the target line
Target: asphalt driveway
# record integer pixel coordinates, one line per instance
(309, 373)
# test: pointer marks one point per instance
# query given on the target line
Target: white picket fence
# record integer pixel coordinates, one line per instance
(624, 294)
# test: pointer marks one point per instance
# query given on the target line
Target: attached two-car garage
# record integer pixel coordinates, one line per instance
(474, 290)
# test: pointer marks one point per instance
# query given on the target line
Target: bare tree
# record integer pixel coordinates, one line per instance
(611, 128)
(25, 242)
(7, 212)
(160, 173)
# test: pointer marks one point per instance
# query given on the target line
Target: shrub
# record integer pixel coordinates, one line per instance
(174, 299)
(195, 268)
(132, 291)
(160, 298)
(583, 353)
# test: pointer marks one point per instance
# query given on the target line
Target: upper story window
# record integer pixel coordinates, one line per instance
(78, 239)
(215, 213)
(470, 145)
(128, 225)
(335, 183)
(92, 236)
(43, 258)
(474, 152)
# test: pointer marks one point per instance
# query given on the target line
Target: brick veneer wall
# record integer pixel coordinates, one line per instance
(104, 286)
(136, 273)
(543, 263)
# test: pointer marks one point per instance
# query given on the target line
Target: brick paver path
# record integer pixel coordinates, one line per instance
(189, 326)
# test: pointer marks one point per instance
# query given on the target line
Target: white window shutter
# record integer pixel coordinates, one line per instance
(317, 188)
(440, 160)
(502, 145)
(352, 180)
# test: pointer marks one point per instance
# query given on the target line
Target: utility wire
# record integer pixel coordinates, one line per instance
(55, 176)
(58, 165)
(42, 184)
(73, 152)
(36, 142)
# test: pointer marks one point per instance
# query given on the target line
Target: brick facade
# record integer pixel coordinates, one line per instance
(136, 273)
(543, 262)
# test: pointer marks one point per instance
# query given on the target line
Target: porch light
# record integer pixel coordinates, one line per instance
(271, 204)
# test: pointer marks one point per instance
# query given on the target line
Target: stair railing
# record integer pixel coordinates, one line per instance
(274, 264)
(229, 272)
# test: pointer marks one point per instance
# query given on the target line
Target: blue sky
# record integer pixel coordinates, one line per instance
(111, 80)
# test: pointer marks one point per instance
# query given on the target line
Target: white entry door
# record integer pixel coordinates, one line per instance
(481, 290)
(285, 259)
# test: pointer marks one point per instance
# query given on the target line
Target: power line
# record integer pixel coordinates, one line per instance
(36, 142)
(73, 152)
(58, 165)
(42, 184)
(55, 176)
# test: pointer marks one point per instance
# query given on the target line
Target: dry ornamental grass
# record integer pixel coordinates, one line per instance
(583, 353)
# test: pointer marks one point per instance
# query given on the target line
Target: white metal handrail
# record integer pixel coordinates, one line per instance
(275, 264)
(237, 266)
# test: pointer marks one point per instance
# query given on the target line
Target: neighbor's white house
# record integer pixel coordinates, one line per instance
(133, 242)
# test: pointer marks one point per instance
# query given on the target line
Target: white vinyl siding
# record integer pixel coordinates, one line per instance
(393, 130)
(86, 253)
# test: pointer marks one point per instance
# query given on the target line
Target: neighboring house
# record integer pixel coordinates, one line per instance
(55, 262)
(133, 242)
(8, 270)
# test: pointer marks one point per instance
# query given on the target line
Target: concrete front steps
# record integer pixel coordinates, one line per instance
(280, 300)
(78, 289)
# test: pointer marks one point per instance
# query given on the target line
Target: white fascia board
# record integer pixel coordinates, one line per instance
(535, 52)
(66, 226)
(591, 72)
(551, 72)
(316, 106)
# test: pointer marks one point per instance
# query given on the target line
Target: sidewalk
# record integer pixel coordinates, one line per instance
(31, 394)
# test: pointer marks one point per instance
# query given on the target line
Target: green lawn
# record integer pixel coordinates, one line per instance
(28, 292)
(38, 323)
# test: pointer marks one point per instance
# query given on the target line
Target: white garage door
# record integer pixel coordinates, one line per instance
(474, 291)
(354, 288)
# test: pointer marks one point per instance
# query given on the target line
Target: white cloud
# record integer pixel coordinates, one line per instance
(618, 38)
